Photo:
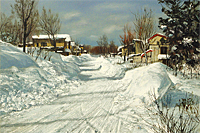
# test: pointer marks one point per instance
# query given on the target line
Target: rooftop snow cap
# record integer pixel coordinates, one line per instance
(57, 36)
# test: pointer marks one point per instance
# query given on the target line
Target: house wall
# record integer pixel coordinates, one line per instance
(155, 53)
(124, 51)
(38, 42)
(156, 45)
(138, 47)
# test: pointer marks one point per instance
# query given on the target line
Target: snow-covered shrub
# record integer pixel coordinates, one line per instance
(166, 115)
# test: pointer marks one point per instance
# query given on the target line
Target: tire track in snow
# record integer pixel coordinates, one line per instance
(93, 109)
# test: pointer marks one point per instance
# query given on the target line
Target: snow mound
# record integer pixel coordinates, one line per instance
(147, 79)
(25, 82)
(11, 56)
(77, 59)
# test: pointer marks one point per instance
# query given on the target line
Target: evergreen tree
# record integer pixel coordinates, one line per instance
(182, 28)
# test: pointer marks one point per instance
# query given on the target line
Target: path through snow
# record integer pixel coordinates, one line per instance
(89, 108)
(79, 94)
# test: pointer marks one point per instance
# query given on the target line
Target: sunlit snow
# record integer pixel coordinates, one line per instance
(79, 94)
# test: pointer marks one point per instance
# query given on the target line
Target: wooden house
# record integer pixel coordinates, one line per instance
(63, 43)
(160, 48)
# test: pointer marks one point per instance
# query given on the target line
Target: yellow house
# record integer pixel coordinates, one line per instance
(63, 42)
(160, 48)
(44, 41)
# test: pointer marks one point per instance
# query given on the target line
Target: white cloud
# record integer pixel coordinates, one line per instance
(111, 29)
(71, 15)
(93, 36)
(113, 6)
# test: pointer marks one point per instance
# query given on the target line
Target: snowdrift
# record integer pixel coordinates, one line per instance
(25, 82)
(147, 79)
(11, 56)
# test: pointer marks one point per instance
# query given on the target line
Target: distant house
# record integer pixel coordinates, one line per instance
(126, 50)
(82, 48)
(131, 51)
(160, 48)
(63, 43)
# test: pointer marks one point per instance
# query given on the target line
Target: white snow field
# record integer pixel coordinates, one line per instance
(84, 94)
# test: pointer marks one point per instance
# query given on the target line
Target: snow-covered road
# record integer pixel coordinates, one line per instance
(80, 94)
(89, 108)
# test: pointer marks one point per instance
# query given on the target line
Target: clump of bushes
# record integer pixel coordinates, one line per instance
(166, 116)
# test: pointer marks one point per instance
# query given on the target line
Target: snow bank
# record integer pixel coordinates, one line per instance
(25, 83)
(147, 79)
(11, 56)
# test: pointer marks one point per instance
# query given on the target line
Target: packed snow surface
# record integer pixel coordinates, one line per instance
(79, 94)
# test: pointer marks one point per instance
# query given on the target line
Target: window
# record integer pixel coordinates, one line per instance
(43, 44)
(132, 49)
(163, 50)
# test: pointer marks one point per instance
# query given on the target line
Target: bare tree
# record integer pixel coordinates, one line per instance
(144, 27)
(4, 24)
(28, 14)
(50, 25)
(112, 47)
(103, 43)
(127, 38)
(14, 32)
(9, 29)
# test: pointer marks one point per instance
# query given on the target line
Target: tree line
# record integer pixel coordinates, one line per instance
(104, 47)
(25, 20)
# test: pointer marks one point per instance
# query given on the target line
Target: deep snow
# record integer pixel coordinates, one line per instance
(79, 94)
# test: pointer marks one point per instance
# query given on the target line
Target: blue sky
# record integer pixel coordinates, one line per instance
(87, 20)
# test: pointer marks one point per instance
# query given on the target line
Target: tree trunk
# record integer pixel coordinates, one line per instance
(24, 39)
(146, 58)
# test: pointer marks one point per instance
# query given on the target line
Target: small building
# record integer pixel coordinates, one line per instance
(137, 46)
(63, 43)
(160, 48)
(125, 50)
(44, 40)
(82, 49)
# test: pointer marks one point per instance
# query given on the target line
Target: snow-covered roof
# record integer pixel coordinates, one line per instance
(119, 53)
(132, 55)
(73, 44)
(120, 47)
(163, 56)
(57, 36)
(157, 34)
(59, 51)
(60, 46)
(137, 40)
